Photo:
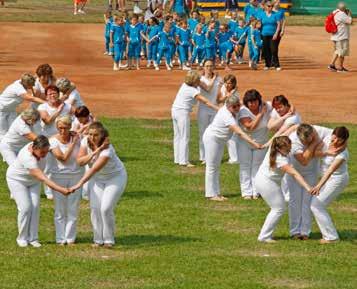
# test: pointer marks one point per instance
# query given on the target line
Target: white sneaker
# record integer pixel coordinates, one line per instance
(156, 66)
(21, 243)
(81, 11)
(123, 65)
(171, 65)
(168, 67)
(278, 69)
(250, 64)
(268, 241)
(75, 13)
(106, 53)
(184, 67)
(266, 68)
(35, 244)
(110, 53)
(148, 65)
(115, 67)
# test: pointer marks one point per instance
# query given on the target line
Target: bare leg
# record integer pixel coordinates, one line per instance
(334, 58)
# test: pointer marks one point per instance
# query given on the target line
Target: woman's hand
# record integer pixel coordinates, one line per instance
(61, 106)
(334, 151)
(105, 144)
(315, 191)
(264, 108)
(275, 37)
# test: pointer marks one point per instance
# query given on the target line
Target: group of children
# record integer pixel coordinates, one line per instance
(190, 41)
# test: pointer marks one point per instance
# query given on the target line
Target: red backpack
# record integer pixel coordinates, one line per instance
(330, 24)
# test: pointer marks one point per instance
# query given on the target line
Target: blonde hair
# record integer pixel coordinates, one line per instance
(28, 80)
(65, 119)
(64, 84)
(191, 78)
(29, 114)
(304, 131)
(232, 100)
(277, 144)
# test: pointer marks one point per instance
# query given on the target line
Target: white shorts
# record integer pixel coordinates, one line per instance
(342, 47)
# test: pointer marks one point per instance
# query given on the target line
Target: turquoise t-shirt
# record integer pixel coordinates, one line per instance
(269, 23)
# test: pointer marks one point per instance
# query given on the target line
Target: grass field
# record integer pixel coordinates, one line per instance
(169, 236)
(62, 11)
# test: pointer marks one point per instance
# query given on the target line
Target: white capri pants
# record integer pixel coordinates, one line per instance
(27, 198)
(6, 119)
(232, 147)
(250, 160)
(333, 187)
(214, 148)
(9, 155)
(103, 199)
(204, 117)
(299, 205)
(181, 124)
(66, 209)
(272, 194)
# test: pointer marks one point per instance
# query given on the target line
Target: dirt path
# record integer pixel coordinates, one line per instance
(76, 51)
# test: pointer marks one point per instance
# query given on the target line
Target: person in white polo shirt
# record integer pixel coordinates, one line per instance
(24, 177)
(215, 138)
(185, 99)
(341, 39)
(12, 96)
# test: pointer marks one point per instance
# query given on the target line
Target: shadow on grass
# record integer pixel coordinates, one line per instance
(153, 240)
(142, 195)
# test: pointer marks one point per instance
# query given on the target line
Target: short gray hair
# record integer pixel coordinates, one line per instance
(232, 100)
(341, 5)
(30, 113)
(64, 84)
(28, 80)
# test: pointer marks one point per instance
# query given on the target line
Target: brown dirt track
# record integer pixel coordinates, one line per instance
(76, 51)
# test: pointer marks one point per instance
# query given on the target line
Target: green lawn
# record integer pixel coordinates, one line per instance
(62, 11)
(169, 236)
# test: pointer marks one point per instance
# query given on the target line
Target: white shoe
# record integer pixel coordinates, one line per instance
(106, 53)
(268, 241)
(110, 53)
(115, 67)
(266, 68)
(81, 11)
(49, 197)
(148, 65)
(168, 67)
(171, 65)
(250, 64)
(156, 66)
(123, 65)
(35, 244)
(184, 67)
(21, 243)
(75, 13)
(278, 69)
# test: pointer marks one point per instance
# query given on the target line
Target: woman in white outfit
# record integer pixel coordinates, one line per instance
(44, 79)
(228, 89)
(253, 118)
(209, 88)
(69, 92)
(181, 109)
(24, 177)
(110, 178)
(215, 137)
(268, 181)
(12, 96)
(65, 171)
(334, 179)
(20, 133)
(49, 111)
(305, 140)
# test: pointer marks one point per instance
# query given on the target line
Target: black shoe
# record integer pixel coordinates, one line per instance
(332, 68)
(345, 69)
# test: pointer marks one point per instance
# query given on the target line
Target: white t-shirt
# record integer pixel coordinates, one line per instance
(50, 129)
(260, 134)
(112, 167)
(186, 97)
(328, 160)
(343, 22)
(77, 125)
(224, 91)
(11, 97)
(297, 148)
(39, 87)
(275, 174)
(291, 120)
(74, 98)
(221, 123)
(14, 138)
(19, 169)
(210, 95)
(70, 167)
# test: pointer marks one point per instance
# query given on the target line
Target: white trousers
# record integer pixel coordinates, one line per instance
(103, 199)
(6, 119)
(249, 159)
(272, 194)
(214, 148)
(204, 118)
(232, 147)
(299, 205)
(27, 199)
(333, 187)
(66, 210)
(8, 154)
(181, 124)
(87, 187)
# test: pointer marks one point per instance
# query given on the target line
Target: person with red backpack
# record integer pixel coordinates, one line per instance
(338, 23)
